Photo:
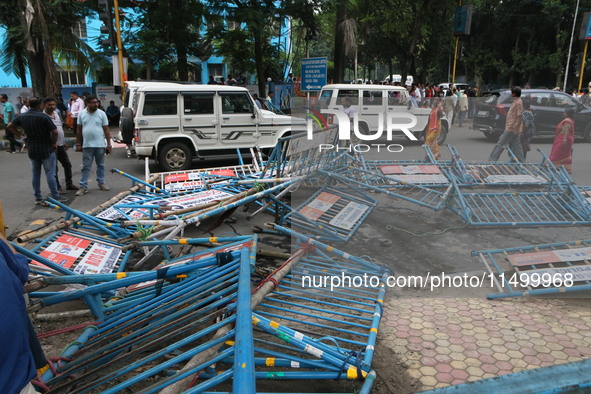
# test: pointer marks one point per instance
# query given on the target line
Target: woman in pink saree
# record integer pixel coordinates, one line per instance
(562, 148)
(434, 129)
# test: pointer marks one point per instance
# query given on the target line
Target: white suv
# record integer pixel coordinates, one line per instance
(175, 123)
(371, 101)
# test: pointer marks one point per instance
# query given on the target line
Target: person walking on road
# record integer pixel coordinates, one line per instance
(562, 148)
(8, 117)
(529, 128)
(50, 109)
(462, 108)
(434, 128)
(41, 138)
(76, 106)
(513, 129)
(449, 104)
(93, 139)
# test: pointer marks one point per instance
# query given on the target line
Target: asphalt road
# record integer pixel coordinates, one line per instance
(414, 248)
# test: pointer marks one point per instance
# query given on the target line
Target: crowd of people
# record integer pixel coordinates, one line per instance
(42, 122)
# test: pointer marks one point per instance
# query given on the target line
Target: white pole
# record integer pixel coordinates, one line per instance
(570, 47)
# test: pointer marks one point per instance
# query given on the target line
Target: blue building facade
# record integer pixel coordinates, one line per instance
(89, 31)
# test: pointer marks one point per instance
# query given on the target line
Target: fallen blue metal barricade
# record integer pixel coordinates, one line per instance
(539, 269)
(332, 213)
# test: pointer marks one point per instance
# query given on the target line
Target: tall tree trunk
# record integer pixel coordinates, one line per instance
(339, 46)
(559, 50)
(52, 88)
(390, 69)
(20, 65)
(182, 63)
(148, 69)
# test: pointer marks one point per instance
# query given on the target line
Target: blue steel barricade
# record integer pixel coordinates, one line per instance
(199, 179)
(430, 197)
(185, 312)
(72, 252)
(332, 336)
(332, 213)
(539, 269)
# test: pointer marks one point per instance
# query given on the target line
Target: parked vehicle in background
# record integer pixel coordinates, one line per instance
(175, 123)
(398, 78)
(547, 105)
(459, 86)
(371, 101)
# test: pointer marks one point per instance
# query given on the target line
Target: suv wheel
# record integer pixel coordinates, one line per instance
(126, 125)
(363, 130)
(175, 156)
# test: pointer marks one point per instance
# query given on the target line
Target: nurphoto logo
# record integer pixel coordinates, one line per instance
(399, 121)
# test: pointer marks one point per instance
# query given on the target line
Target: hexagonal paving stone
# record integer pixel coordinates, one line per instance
(428, 371)
(445, 368)
(475, 371)
(514, 354)
(459, 374)
(532, 360)
(428, 381)
(501, 356)
(472, 362)
(490, 368)
(460, 365)
(444, 377)
(504, 365)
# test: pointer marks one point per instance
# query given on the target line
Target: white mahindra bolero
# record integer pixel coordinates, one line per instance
(174, 122)
(374, 103)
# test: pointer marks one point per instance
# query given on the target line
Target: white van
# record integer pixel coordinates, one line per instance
(175, 123)
(398, 78)
(370, 101)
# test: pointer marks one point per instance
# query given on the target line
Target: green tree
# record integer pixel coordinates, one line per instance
(168, 32)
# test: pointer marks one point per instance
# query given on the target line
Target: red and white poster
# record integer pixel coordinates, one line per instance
(319, 205)
(100, 259)
(551, 256)
(65, 250)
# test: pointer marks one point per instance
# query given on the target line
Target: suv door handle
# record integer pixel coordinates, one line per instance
(188, 118)
(226, 118)
(365, 108)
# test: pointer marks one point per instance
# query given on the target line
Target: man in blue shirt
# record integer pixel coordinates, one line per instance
(113, 113)
(93, 139)
(17, 366)
(41, 140)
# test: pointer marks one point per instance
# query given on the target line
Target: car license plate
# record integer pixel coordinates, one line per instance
(482, 113)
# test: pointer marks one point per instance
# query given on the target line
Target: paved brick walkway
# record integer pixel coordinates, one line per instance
(448, 341)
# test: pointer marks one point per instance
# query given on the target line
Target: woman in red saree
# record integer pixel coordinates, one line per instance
(434, 129)
(562, 148)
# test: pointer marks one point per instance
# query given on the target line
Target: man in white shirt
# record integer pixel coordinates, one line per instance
(93, 139)
(76, 106)
(50, 109)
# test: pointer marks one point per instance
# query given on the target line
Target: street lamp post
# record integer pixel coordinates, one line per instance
(570, 47)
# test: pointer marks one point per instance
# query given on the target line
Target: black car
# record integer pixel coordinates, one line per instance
(547, 105)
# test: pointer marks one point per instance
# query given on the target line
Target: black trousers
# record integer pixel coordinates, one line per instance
(13, 142)
(62, 157)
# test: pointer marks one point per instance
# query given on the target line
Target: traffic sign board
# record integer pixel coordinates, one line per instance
(313, 74)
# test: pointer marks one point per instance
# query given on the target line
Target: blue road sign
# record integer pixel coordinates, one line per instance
(313, 74)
